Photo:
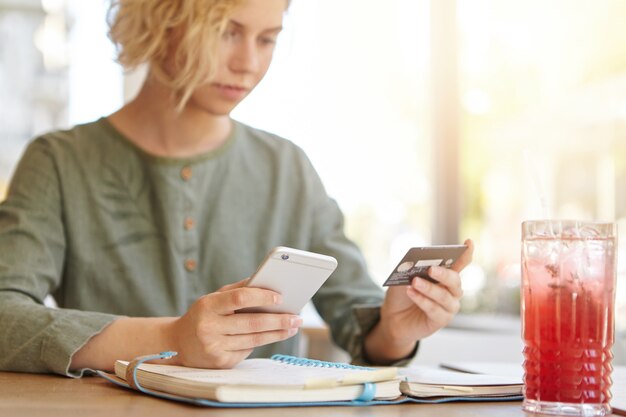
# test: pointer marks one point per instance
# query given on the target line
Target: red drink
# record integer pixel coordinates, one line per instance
(568, 296)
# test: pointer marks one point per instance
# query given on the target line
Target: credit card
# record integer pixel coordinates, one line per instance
(417, 261)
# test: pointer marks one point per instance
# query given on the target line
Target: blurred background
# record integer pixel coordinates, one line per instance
(430, 121)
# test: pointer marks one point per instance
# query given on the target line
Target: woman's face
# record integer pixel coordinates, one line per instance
(244, 56)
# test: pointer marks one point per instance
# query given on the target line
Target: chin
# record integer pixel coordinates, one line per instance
(214, 110)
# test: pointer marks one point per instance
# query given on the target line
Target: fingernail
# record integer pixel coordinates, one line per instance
(292, 332)
(295, 322)
(436, 271)
(419, 284)
(278, 299)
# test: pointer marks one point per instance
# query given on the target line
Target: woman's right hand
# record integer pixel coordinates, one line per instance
(212, 335)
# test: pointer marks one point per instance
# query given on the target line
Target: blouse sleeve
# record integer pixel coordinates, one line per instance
(33, 337)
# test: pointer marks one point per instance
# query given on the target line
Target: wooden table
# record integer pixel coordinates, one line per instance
(50, 395)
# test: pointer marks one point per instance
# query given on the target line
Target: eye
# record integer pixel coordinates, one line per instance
(266, 40)
(230, 33)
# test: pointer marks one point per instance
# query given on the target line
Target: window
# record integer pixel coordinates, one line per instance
(543, 93)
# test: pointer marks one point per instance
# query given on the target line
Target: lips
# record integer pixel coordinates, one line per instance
(231, 91)
(231, 86)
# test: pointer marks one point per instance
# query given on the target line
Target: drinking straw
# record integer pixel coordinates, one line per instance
(539, 188)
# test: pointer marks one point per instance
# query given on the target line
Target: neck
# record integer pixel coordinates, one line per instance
(152, 122)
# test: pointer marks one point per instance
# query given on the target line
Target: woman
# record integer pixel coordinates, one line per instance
(141, 223)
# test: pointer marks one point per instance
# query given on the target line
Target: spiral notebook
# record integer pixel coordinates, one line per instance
(281, 381)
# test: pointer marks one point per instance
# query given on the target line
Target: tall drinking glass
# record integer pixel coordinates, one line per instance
(568, 299)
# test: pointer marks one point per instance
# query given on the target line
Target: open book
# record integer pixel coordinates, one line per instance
(287, 381)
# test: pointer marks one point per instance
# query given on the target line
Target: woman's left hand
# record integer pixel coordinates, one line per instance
(411, 313)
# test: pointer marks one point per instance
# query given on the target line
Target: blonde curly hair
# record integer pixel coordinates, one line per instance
(143, 31)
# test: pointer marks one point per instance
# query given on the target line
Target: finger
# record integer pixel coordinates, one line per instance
(225, 360)
(253, 340)
(227, 302)
(449, 279)
(438, 294)
(247, 323)
(238, 284)
(465, 258)
(435, 312)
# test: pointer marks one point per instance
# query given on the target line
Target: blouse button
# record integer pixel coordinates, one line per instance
(190, 265)
(189, 223)
(186, 173)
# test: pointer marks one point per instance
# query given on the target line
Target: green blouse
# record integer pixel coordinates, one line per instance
(111, 231)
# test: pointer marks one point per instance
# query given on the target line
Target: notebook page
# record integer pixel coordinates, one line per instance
(491, 368)
(435, 376)
(271, 372)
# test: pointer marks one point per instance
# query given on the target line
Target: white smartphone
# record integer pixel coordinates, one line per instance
(295, 274)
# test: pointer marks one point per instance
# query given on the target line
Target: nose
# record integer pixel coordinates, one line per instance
(245, 57)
